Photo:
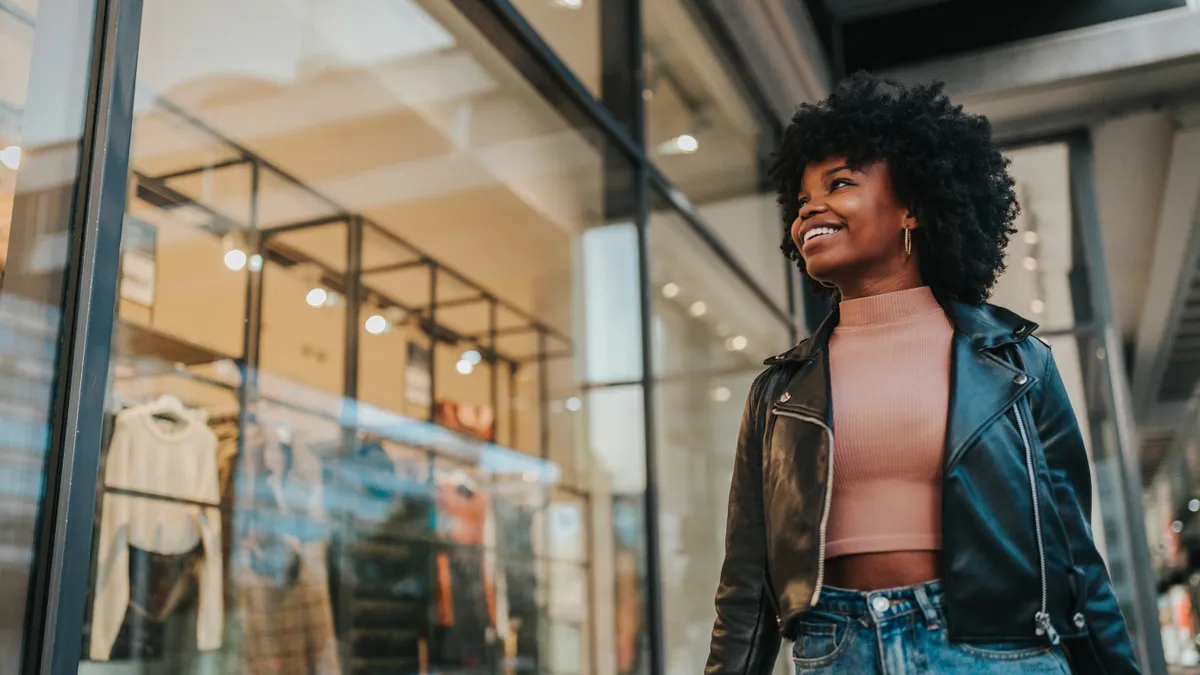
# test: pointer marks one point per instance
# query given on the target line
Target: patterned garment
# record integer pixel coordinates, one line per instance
(287, 620)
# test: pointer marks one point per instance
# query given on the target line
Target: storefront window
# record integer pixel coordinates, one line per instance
(43, 89)
(352, 429)
(710, 338)
(572, 28)
(705, 137)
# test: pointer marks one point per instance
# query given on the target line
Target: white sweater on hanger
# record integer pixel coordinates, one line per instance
(143, 457)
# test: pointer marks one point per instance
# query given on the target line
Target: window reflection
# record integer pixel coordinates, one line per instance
(349, 333)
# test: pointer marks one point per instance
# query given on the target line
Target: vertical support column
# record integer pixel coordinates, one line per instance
(513, 435)
(256, 245)
(623, 82)
(543, 397)
(1147, 632)
(432, 329)
(354, 298)
(493, 369)
(89, 228)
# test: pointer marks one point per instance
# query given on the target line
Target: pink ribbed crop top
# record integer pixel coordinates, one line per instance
(889, 364)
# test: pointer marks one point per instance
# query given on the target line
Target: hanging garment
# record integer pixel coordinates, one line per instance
(175, 459)
(466, 596)
(385, 597)
(286, 617)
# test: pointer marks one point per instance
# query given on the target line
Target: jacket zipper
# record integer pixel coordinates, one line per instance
(1041, 620)
(828, 499)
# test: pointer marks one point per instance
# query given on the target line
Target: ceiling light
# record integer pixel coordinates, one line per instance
(721, 394)
(1177, 526)
(464, 367)
(256, 263)
(377, 325)
(235, 259)
(1030, 263)
(395, 315)
(472, 357)
(687, 143)
(1031, 237)
(670, 290)
(698, 309)
(332, 299)
(1037, 306)
(316, 297)
(569, 4)
(1194, 505)
(11, 157)
(737, 343)
(574, 404)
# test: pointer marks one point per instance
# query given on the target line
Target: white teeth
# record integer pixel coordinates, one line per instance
(818, 231)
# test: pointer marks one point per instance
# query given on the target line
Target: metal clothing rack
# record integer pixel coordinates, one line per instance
(158, 190)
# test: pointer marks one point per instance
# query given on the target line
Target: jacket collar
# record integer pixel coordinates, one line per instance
(984, 326)
(983, 384)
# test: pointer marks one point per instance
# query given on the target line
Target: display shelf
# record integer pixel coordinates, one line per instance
(135, 339)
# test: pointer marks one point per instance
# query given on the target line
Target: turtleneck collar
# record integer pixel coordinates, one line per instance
(887, 308)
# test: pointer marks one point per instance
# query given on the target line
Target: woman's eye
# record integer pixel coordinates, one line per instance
(800, 203)
(839, 182)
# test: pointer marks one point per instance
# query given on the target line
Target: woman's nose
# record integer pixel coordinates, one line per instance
(811, 207)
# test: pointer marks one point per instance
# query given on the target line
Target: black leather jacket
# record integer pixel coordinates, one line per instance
(1009, 419)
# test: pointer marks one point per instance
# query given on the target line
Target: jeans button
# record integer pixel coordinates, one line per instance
(880, 604)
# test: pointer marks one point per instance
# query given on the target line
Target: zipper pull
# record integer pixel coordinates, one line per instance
(1044, 627)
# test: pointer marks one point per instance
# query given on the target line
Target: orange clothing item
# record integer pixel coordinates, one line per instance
(889, 365)
(462, 518)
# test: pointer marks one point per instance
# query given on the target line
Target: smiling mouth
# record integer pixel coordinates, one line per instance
(818, 232)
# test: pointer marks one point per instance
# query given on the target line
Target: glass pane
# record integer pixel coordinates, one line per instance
(356, 398)
(1040, 255)
(43, 92)
(706, 138)
(710, 338)
(572, 29)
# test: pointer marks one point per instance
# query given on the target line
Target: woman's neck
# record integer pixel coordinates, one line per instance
(891, 284)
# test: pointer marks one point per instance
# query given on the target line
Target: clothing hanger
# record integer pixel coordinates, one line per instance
(170, 408)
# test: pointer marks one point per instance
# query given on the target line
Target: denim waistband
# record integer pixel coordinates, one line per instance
(925, 598)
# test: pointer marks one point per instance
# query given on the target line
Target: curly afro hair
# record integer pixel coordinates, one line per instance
(944, 165)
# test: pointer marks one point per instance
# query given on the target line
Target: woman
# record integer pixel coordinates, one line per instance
(954, 534)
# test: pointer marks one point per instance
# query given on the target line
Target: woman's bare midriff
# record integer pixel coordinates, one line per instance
(877, 571)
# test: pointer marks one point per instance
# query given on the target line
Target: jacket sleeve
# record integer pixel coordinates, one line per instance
(1107, 648)
(745, 636)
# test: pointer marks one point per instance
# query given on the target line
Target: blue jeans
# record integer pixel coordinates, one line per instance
(902, 631)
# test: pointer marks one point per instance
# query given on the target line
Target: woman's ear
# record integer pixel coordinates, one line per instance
(910, 221)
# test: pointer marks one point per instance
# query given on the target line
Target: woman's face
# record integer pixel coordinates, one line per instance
(850, 228)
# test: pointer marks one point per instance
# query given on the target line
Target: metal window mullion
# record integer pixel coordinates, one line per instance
(66, 532)
(1085, 208)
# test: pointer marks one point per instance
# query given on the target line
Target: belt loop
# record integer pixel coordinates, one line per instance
(927, 607)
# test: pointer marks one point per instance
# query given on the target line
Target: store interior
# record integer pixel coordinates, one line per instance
(347, 269)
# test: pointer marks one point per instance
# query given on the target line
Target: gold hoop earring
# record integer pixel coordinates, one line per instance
(907, 242)
(826, 285)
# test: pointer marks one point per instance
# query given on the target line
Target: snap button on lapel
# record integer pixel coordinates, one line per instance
(785, 398)
(1020, 379)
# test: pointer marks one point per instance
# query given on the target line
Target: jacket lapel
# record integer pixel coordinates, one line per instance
(808, 390)
(982, 387)
(983, 384)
